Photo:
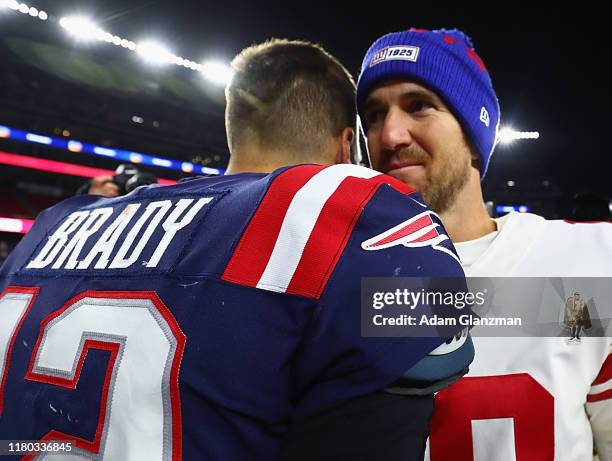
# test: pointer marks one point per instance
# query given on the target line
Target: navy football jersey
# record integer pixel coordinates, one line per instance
(194, 321)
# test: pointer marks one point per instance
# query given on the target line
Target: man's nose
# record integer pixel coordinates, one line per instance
(397, 130)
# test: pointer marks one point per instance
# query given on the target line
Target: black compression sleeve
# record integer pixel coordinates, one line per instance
(376, 427)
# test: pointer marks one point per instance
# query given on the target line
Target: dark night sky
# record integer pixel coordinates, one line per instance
(548, 65)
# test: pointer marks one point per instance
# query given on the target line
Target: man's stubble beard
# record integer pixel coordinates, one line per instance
(450, 177)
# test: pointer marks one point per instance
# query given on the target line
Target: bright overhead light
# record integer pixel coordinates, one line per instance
(217, 72)
(80, 27)
(154, 53)
(507, 135)
(23, 8)
(43, 15)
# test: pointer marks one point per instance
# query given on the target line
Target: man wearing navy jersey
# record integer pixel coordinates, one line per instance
(218, 319)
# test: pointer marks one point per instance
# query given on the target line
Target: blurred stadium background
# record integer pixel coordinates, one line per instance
(78, 98)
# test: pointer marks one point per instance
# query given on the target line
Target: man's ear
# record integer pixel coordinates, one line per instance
(347, 138)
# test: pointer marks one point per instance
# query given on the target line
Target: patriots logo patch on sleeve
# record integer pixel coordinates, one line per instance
(419, 231)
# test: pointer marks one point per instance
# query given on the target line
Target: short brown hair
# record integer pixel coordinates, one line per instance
(293, 95)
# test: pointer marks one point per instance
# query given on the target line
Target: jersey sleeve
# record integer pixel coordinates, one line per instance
(599, 409)
(315, 233)
(374, 227)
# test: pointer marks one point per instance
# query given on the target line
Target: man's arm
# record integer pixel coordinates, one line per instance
(343, 374)
(375, 427)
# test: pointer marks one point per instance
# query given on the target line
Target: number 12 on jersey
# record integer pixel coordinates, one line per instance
(140, 395)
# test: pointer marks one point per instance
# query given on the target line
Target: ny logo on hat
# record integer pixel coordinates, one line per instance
(484, 117)
(395, 53)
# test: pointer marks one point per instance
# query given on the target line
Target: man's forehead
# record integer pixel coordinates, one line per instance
(398, 87)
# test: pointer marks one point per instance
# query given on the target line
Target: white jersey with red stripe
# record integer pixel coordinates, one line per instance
(532, 399)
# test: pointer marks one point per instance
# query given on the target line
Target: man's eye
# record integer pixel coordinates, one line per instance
(420, 106)
(374, 116)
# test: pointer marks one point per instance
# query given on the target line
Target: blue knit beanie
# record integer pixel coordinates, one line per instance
(445, 62)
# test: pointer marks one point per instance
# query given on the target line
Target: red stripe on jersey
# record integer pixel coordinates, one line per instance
(605, 374)
(413, 227)
(428, 236)
(252, 253)
(600, 397)
(394, 183)
(330, 235)
(586, 222)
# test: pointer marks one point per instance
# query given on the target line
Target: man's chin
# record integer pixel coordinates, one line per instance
(413, 176)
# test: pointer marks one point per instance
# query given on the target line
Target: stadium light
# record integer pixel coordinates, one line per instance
(507, 135)
(39, 139)
(81, 28)
(24, 9)
(217, 72)
(154, 53)
(15, 225)
(73, 145)
(509, 208)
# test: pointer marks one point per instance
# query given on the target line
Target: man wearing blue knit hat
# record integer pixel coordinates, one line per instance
(436, 83)
(430, 115)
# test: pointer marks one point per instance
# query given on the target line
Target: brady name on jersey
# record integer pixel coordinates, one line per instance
(63, 248)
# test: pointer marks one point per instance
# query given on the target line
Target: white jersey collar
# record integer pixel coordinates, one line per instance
(516, 233)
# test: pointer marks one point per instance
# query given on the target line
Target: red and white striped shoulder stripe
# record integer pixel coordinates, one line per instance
(301, 227)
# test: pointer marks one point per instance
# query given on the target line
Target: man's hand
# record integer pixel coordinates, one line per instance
(103, 185)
